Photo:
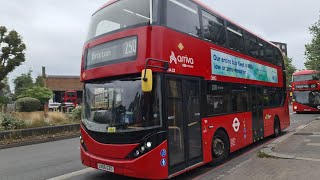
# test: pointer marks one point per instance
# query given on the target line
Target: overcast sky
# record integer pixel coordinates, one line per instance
(54, 30)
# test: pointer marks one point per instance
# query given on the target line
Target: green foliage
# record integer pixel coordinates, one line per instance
(12, 52)
(22, 82)
(313, 49)
(290, 69)
(41, 93)
(28, 104)
(39, 81)
(9, 122)
(4, 95)
(5, 91)
(77, 113)
(4, 100)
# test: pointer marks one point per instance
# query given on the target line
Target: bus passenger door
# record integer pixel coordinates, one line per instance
(257, 113)
(183, 122)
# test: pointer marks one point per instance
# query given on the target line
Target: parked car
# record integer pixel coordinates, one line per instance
(54, 106)
(66, 107)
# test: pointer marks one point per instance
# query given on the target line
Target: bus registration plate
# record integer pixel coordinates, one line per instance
(105, 167)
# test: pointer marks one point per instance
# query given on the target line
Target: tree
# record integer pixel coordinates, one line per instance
(41, 93)
(12, 52)
(4, 95)
(39, 81)
(312, 52)
(290, 69)
(5, 91)
(22, 82)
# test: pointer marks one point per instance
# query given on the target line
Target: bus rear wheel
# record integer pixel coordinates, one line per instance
(220, 148)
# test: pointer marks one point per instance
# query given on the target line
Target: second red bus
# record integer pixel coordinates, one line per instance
(306, 91)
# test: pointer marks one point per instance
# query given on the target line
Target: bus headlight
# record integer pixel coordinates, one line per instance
(83, 144)
(142, 149)
(136, 153)
(295, 107)
(148, 144)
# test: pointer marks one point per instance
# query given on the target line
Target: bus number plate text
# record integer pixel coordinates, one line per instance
(105, 167)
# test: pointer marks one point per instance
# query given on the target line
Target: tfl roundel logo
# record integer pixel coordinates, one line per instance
(236, 124)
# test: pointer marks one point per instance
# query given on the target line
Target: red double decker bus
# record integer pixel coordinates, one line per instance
(171, 85)
(69, 97)
(306, 91)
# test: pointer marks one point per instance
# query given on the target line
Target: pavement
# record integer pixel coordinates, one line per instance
(295, 155)
(303, 143)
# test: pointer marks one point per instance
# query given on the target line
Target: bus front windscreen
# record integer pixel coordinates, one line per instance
(306, 77)
(309, 98)
(119, 15)
(120, 106)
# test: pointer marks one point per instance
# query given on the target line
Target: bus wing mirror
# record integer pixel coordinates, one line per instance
(146, 80)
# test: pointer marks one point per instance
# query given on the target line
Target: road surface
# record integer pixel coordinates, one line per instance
(60, 160)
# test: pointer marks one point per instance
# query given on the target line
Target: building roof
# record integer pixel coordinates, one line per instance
(63, 77)
(63, 83)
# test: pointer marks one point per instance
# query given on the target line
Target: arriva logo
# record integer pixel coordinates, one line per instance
(184, 60)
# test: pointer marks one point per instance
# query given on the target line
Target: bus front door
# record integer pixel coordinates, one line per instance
(257, 113)
(183, 122)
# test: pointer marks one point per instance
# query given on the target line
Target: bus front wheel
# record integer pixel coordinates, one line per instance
(220, 148)
(277, 128)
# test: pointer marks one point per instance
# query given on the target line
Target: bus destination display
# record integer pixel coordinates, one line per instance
(116, 51)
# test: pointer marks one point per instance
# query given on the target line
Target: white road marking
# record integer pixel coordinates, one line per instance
(307, 140)
(73, 174)
(313, 144)
(315, 135)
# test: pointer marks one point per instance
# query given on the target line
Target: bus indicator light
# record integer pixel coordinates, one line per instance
(137, 153)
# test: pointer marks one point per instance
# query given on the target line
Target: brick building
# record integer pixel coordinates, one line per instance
(60, 84)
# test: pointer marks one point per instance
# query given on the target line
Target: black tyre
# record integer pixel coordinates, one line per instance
(220, 148)
(277, 128)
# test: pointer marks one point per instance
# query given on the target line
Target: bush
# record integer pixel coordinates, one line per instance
(9, 122)
(36, 121)
(77, 113)
(57, 118)
(32, 119)
(28, 104)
